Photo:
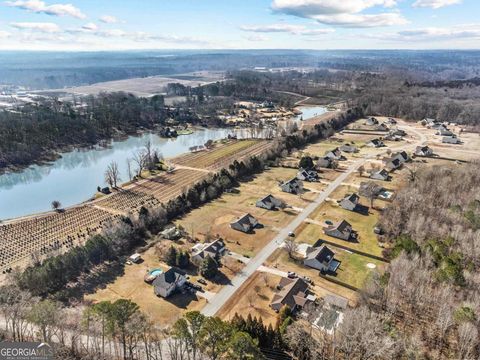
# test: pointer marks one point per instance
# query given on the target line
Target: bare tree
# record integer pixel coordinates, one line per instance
(139, 158)
(290, 246)
(56, 205)
(112, 174)
(129, 169)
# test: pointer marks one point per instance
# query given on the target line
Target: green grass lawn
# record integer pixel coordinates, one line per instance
(353, 269)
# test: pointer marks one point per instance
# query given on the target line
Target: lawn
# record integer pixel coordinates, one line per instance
(131, 286)
(354, 269)
(281, 261)
(253, 298)
(367, 240)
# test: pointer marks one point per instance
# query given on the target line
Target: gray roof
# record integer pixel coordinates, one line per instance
(165, 279)
(322, 254)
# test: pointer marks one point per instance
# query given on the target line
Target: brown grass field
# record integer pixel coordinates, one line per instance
(253, 298)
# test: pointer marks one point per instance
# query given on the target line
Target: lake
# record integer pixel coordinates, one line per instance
(74, 177)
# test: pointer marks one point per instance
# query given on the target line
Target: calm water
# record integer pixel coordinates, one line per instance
(75, 176)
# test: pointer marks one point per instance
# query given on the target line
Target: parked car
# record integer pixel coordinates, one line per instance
(291, 234)
(291, 275)
(307, 279)
(202, 281)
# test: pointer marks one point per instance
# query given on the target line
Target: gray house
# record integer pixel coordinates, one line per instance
(382, 127)
(445, 132)
(307, 175)
(451, 140)
(167, 282)
(324, 162)
(245, 224)
(292, 293)
(293, 186)
(335, 154)
(342, 230)
(392, 163)
(269, 202)
(215, 250)
(371, 121)
(423, 151)
(349, 202)
(380, 175)
(321, 258)
(348, 148)
(376, 143)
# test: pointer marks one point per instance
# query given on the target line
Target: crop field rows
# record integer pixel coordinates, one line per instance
(51, 233)
(166, 187)
(224, 154)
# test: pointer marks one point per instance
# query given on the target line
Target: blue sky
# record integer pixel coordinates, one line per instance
(239, 24)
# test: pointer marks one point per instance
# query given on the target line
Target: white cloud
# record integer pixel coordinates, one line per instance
(285, 28)
(90, 27)
(38, 6)
(40, 27)
(361, 20)
(347, 13)
(428, 34)
(108, 19)
(4, 34)
(258, 37)
(435, 4)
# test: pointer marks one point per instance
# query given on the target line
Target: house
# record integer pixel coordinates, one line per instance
(171, 233)
(376, 143)
(342, 230)
(269, 202)
(402, 156)
(348, 148)
(349, 202)
(245, 224)
(423, 151)
(335, 154)
(168, 282)
(325, 162)
(451, 140)
(398, 132)
(445, 132)
(439, 126)
(371, 121)
(392, 121)
(396, 160)
(393, 137)
(380, 175)
(382, 127)
(293, 186)
(431, 122)
(215, 250)
(321, 258)
(292, 293)
(307, 175)
(392, 163)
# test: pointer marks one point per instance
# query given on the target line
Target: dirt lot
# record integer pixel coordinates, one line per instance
(253, 298)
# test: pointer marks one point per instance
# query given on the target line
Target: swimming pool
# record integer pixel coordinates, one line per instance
(155, 272)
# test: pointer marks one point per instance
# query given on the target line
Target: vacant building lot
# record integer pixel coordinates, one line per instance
(253, 298)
